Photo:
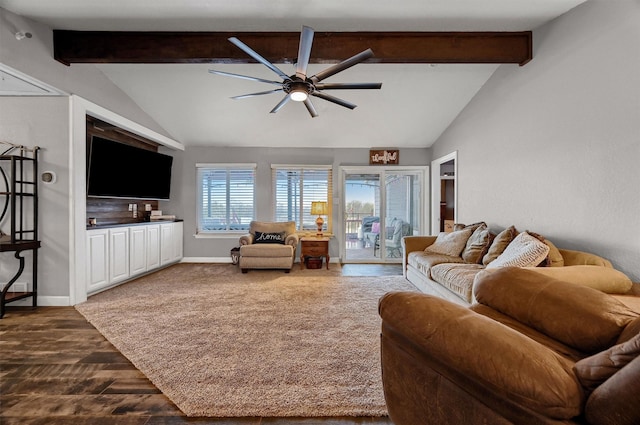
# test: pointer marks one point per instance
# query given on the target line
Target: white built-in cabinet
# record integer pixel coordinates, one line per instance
(97, 259)
(120, 253)
(137, 250)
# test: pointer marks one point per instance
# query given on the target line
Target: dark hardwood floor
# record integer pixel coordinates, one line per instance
(57, 369)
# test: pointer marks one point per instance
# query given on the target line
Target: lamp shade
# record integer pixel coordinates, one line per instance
(319, 208)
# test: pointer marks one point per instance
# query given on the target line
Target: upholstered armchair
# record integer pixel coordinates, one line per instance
(268, 245)
(395, 233)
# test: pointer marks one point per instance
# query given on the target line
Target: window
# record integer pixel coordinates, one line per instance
(295, 187)
(225, 197)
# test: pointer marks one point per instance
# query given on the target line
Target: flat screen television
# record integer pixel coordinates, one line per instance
(116, 170)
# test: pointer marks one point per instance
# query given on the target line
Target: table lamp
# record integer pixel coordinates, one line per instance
(319, 208)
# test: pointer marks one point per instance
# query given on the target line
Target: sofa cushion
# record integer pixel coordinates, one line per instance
(450, 244)
(499, 244)
(576, 315)
(615, 402)
(477, 244)
(269, 237)
(594, 370)
(605, 279)
(458, 278)
(524, 251)
(423, 261)
(266, 250)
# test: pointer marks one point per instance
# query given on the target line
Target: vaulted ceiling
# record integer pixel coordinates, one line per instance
(426, 80)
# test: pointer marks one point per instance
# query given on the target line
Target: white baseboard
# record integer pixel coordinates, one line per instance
(221, 260)
(227, 260)
(43, 301)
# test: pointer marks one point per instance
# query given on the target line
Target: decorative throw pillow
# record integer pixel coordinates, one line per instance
(554, 259)
(499, 244)
(615, 402)
(264, 237)
(375, 227)
(477, 244)
(474, 226)
(523, 251)
(594, 370)
(450, 244)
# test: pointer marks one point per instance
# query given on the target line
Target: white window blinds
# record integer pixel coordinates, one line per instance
(226, 197)
(295, 187)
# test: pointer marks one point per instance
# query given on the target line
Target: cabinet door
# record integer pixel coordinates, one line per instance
(138, 250)
(118, 254)
(177, 241)
(97, 260)
(166, 244)
(153, 246)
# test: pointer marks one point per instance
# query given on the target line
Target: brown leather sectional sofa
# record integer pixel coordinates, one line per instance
(532, 350)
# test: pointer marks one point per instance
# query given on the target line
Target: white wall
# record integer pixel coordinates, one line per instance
(554, 146)
(34, 57)
(183, 192)
(43, 122)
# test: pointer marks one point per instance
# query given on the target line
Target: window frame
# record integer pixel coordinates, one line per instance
(227, 167)
(328, 219)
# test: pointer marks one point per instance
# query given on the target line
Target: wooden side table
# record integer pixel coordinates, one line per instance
(314, 247)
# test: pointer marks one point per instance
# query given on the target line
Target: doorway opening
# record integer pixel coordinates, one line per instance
(444, 193)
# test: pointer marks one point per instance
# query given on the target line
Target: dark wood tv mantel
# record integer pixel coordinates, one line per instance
(111, 211)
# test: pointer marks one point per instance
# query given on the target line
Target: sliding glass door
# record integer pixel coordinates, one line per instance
(381, 205)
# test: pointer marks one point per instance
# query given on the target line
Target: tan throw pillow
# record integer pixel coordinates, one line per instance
(477, 244)
(554, 259)
(499, 244)
(615, 402)
(450, 244)
(594, 370)
(523, 251)
(461, 226)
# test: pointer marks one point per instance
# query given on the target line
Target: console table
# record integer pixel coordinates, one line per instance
(314, 247)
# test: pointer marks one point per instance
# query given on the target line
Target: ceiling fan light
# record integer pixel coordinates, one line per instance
(299, 95)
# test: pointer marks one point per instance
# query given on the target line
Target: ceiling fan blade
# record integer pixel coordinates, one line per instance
(248, 50)
(347, 63)
(280, 104)
(304, 52)
(244, 96)
(334, 100)
(347, 86)
(310, 108)
(245, 77)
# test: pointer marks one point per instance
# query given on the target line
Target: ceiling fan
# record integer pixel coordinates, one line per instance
(298, 87)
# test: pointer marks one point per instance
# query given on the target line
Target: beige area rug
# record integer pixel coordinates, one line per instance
(224, 344)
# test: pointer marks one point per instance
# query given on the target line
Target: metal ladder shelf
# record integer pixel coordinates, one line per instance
(19, 210)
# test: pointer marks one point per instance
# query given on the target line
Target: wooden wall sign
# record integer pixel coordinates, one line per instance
(385, 157)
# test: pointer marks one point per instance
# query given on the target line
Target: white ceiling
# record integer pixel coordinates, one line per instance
(415, 105)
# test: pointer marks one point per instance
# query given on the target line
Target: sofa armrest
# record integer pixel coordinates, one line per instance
(246, 239)
(292, 239)
(481, 355)
(414, 243)
(579, 258)
(417, 243)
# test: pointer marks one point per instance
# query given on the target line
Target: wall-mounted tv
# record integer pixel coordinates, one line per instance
(116, 170)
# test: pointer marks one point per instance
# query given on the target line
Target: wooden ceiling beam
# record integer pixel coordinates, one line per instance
(282, 47)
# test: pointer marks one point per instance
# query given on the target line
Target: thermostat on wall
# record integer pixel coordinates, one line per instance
(48, 177)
